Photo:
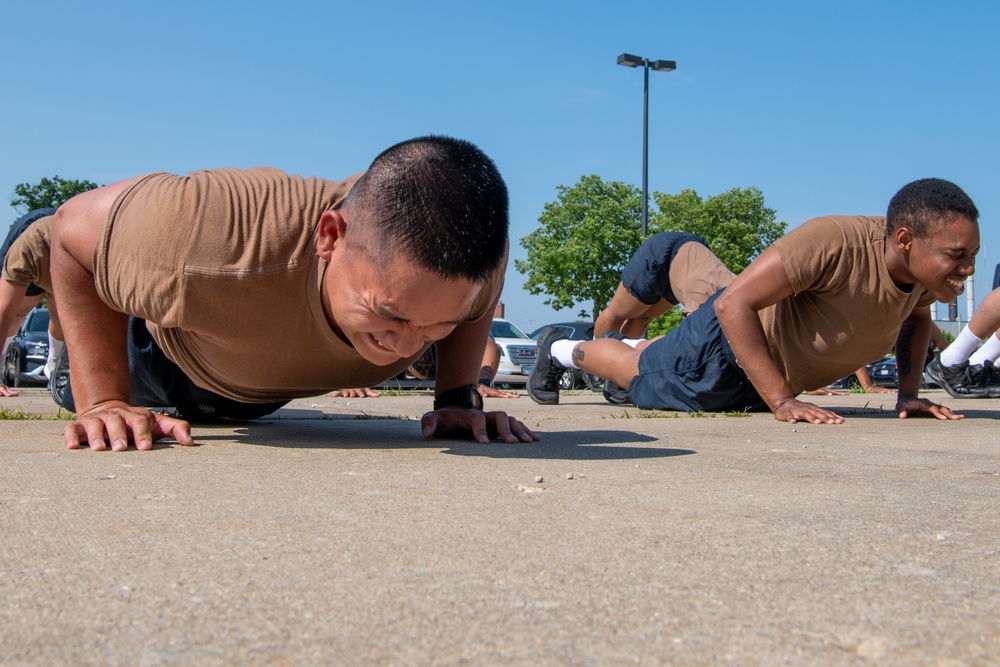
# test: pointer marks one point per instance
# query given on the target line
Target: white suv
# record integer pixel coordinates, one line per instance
(517, 353)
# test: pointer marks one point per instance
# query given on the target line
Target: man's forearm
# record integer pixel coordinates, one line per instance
(11, 297)
(911, 346)
(606, 321)
(742, 328)
(96, 341)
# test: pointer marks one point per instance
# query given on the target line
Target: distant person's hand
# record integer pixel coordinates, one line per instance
(826, 391)
(456, 422)
(361, 392)
(116, 423)
(875, 389)
(794, 411)
(5, 391)
(487, 391)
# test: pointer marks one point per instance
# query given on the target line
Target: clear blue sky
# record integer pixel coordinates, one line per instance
(826, 107)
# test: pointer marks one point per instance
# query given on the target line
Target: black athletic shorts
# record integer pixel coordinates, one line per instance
(647, 274)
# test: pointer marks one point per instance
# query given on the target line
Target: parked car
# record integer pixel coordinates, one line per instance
(517, 353)
(28, 351)
(884, 373)
(574, 331)
(852, 379)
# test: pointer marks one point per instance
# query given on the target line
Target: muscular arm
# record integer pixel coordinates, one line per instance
(762, 284)
(96, 335)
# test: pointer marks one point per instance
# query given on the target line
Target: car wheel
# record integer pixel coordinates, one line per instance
(566, 380)
(593, 382)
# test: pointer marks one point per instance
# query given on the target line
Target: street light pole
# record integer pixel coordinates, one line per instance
(660, 66)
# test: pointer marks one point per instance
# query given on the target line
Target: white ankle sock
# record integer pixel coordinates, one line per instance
(633, 342)
(959, 351)
(990, 351)
(55, 347)
(562, 351)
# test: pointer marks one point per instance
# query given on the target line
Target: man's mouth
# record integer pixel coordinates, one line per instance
(957, 285)
(379, 344)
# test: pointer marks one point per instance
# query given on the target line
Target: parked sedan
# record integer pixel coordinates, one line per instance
(28, 351)
(574, 377)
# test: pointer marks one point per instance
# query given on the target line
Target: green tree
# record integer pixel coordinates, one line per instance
(585, 239)
(47, 193)
(736, 224)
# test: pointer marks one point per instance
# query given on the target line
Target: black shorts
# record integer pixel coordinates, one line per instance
(647, 274)
(692, 368)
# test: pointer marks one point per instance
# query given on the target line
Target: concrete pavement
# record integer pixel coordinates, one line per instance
(332, 533)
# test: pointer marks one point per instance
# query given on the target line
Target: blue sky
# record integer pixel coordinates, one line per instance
(825, 107)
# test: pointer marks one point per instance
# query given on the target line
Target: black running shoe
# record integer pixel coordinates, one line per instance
(991, 379)
(543, 383)
(615, 393)
(962, 381)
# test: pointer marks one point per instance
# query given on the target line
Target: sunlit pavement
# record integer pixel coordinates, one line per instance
(333, 533)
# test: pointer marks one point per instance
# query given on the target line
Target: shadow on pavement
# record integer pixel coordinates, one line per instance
(405, 434)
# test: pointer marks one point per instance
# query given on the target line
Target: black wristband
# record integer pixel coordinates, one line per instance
(460, 397)
(486, 381)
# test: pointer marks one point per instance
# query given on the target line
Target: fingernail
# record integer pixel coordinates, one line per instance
(145, 444)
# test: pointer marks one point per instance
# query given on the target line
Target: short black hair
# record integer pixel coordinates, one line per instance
(921, 205)
(439, 201)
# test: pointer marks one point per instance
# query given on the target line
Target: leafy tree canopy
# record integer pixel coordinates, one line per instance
(586, 237)
(47, 193)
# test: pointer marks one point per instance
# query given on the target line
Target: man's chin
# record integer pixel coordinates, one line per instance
(949, 295)
(374, 353)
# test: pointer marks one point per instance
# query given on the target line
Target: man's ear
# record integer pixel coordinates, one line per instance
(332, 225)
(903, 238)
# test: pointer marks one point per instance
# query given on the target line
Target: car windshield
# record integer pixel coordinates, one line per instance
(38, 321)
(501, 329)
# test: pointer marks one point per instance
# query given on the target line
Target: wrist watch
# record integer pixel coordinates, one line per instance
(486, 381)
(459, 397)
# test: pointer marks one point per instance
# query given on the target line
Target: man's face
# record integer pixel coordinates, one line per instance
(942, 260)
(391, 313)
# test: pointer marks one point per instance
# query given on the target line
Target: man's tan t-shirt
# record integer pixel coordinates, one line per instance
(845, 311)
(27, 261)
(222, 265)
